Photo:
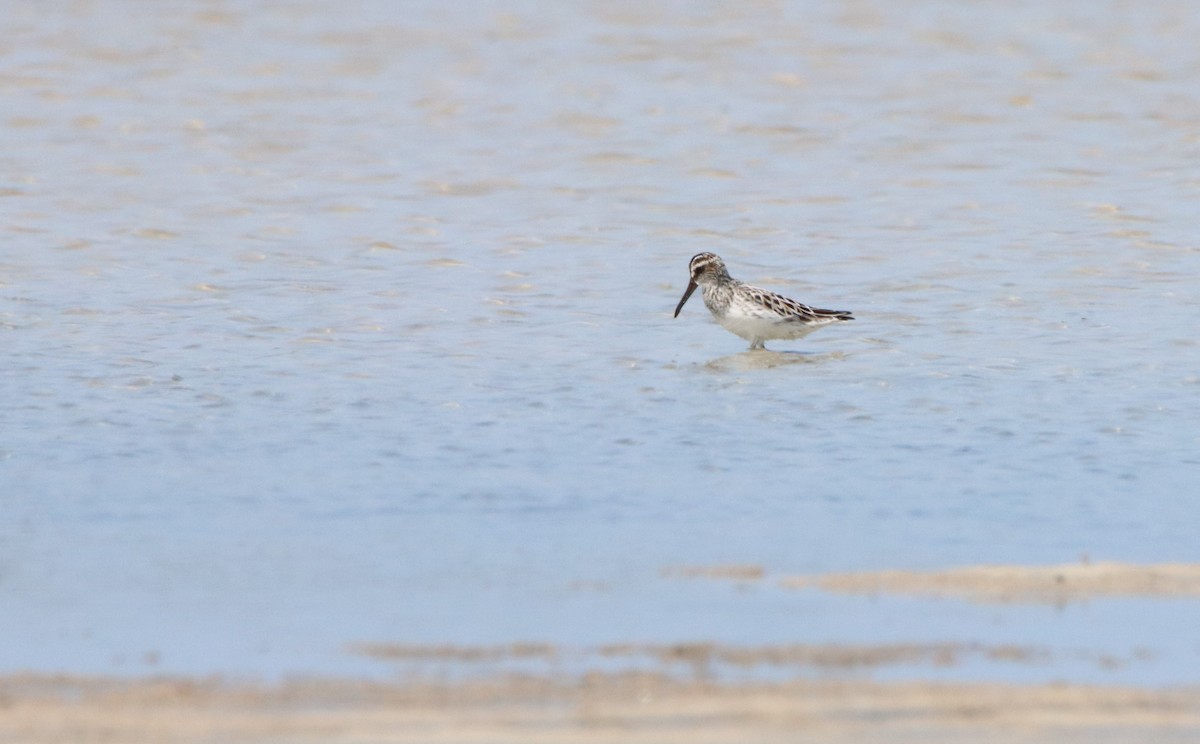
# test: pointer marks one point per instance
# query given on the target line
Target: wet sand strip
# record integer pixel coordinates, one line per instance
(630, 708)
(1054, 584)
(1060, 584)
(701, 659)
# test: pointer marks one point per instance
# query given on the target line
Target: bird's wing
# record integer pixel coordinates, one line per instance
(789, 309)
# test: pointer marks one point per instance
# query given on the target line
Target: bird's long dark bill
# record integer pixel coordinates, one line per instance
(691, 288)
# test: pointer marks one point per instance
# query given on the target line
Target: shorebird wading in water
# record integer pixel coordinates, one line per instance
(752, 313)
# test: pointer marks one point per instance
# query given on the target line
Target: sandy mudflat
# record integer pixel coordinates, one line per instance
(673, 693)
(593, 708)
(1029, 584)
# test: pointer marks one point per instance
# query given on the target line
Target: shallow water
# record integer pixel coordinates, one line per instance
(336, 327)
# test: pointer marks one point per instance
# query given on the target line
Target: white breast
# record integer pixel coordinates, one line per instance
(764, 327)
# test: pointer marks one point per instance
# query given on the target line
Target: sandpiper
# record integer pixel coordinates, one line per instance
(752, 313)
